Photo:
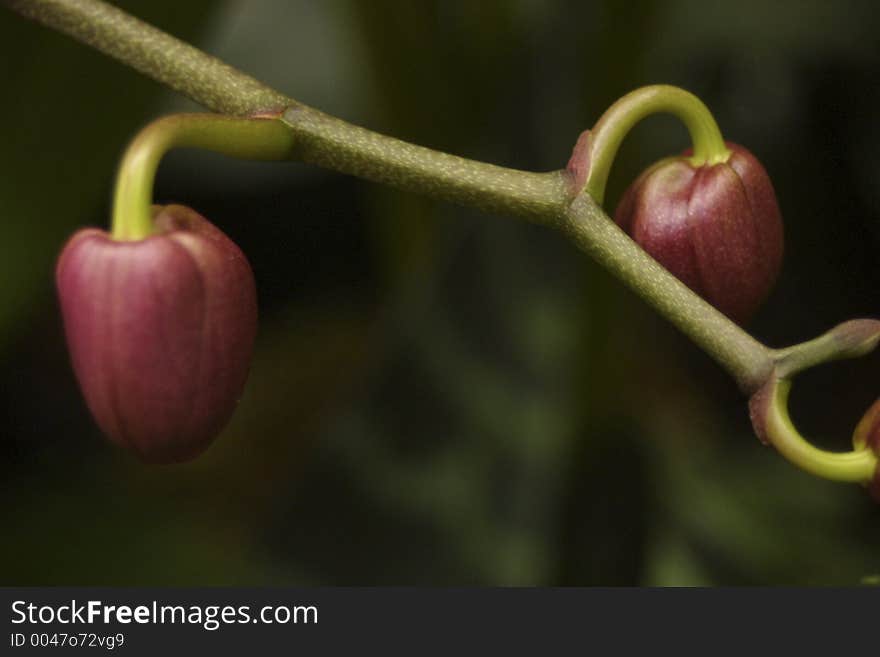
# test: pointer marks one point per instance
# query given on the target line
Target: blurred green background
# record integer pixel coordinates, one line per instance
(441, 396)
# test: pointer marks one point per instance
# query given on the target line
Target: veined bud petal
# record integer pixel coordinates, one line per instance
(160, 331)
(717, 227)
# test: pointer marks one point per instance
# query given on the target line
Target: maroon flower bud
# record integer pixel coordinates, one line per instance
(867, 436)
(717, 227)
(160, 331)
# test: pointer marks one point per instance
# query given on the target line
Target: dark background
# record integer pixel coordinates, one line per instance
(441, 396)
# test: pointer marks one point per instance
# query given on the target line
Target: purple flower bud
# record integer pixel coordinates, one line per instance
(160, 331)
(716, 227)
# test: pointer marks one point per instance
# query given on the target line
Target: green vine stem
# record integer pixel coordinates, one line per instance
(258, 138)
(332, 143)
(326, 141)
(552, 198)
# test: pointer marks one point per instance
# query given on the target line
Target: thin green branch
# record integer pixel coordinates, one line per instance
(335, 144)
(552, 198)
(332, 143)
(851, 339)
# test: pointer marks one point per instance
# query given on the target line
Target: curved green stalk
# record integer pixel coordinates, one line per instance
(598, 147)
(264, 138)
(772, 418)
